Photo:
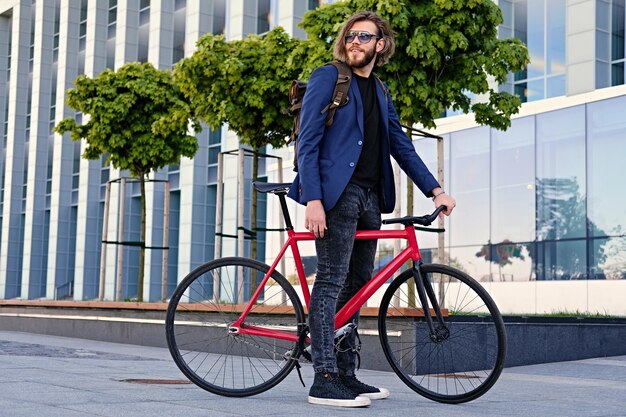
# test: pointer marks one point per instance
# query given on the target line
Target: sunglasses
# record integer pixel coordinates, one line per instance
(364, 37)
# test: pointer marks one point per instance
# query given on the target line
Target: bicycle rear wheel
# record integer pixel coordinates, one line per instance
(465, 358)
(198, 321)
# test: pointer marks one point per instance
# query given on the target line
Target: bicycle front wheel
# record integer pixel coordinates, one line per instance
(205, 347)
(463, 356)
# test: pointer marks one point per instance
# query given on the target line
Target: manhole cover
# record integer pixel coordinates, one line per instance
(156, 381)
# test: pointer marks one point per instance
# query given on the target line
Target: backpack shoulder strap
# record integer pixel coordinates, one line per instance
(340, 94)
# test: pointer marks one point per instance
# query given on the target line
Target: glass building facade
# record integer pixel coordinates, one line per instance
(539, 203)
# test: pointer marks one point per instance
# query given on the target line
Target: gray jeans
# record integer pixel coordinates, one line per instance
(344, 265)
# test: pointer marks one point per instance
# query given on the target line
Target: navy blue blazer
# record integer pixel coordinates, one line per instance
(327, 156)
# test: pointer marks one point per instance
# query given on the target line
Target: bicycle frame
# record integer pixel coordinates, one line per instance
(411, 252)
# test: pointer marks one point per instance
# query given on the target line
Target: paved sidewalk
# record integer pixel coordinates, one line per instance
(63, 377)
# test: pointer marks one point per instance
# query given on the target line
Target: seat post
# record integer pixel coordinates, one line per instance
(283, 206)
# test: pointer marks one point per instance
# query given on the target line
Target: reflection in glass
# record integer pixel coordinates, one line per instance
(535, 90)
(180, 18)
(560, 179)
(465, 259)
(560, 260)
(509, 261)
(606, 148)
(513, 182)
(608, 258)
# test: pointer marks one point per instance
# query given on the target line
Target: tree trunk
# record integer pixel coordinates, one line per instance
(253, 217)
(409, 212)
(142, 250)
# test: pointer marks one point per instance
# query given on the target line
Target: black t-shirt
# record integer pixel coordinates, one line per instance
(367, 171)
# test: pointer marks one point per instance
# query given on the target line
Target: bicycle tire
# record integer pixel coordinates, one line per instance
(197, 329)
(454, 369)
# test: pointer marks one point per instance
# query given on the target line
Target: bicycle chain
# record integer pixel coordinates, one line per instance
(272, 352)
(301, 359)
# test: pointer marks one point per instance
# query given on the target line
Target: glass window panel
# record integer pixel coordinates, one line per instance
(112, 15)
(520, 19)
(469, 184)
(219, 16)
(603, 13)
(470, 259)
(617, 73)
(427, 150)
(142, 47)
(536, 38)
(562, 260)
(144, 17)
(535, 91)
(213, 154)
(603, 45)
(506, 7)
(555, 86)
(555, 41)
(522, 91)
(607, 259)
(513, 182)
(606, 148)
(560, 183)
(263, 16)
(617, 30)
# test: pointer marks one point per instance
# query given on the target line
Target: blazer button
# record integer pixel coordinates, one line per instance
(360, 142)
(351, 164)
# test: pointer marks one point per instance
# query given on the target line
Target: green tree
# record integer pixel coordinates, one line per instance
(138, 118)
(245, 84)
(446, 51)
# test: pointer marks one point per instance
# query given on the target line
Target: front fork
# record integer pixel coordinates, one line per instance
(439, 330)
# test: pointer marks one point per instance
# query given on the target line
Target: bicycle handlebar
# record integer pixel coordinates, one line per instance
(425, 220)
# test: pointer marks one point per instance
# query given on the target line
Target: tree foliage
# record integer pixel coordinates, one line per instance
(138, 118)
(244, 83)
(445, 49)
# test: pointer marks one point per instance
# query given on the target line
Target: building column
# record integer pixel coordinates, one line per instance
(193, 177)
(12, 225)
(35, 253)
(161, 41)
(127, 37)
(88, 210)
(581, 46)
(5, 65)
(241, 18)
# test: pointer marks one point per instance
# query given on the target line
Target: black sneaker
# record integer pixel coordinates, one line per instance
(327, 389)
(362, 389)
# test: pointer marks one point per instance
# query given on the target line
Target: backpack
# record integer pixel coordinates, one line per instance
(340, 98)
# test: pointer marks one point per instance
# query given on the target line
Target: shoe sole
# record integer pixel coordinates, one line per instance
(381, 394)
(359, 401)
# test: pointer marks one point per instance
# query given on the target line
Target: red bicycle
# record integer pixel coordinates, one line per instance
(236, 326)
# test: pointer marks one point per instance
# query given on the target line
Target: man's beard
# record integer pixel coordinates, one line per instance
(368, 56)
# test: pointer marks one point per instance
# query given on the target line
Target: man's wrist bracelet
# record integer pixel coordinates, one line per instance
(438, 194)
